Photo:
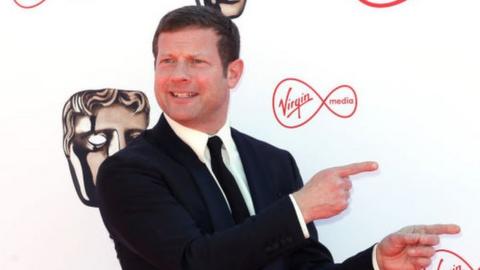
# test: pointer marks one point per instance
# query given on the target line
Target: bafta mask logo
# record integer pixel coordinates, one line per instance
(229, 8)
(97, 124)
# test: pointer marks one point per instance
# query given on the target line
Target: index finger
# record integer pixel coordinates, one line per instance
(440, 229)
(356, 168)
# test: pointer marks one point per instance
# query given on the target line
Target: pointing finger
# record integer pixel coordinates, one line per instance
(356, 168)
(413, 239)
(439, 229)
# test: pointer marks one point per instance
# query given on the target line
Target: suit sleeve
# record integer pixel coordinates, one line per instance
(311, 254)
(141, 213)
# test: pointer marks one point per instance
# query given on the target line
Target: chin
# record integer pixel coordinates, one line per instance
(181, 117)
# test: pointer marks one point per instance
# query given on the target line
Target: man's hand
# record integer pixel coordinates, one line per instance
(328, 191)
(411, 248)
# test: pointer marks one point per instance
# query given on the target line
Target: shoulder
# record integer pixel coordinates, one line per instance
(137, 152)
(140, 157)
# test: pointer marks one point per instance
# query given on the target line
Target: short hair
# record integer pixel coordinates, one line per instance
(228, 44)
(87, 103)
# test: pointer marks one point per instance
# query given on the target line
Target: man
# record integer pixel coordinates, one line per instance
(193, 193)
(96, 124)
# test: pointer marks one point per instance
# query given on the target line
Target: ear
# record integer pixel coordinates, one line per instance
(234, 72)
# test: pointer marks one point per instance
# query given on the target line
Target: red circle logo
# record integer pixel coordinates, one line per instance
(448, 260)
(382, 4)
(28, 5)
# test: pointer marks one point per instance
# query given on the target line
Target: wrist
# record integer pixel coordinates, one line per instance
(301, 205)
(378, 257)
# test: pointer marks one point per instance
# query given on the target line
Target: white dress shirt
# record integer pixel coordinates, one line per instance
(197, 141)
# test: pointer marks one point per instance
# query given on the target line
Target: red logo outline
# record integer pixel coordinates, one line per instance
(382, 5)
(308, 99)
(28, 7)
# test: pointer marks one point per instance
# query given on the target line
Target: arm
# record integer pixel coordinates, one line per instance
(410, 248)
(307, 256)
(141, 212)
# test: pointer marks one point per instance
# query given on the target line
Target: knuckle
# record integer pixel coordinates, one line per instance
(348, 184)
(342, 205)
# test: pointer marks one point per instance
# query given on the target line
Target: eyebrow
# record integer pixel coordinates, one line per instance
(200, 54)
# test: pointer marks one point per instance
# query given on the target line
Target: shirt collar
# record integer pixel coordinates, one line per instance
(197, 140)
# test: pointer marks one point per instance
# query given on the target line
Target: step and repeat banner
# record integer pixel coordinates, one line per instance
(332, 81)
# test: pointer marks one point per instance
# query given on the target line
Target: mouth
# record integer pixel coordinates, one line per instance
(183, 94)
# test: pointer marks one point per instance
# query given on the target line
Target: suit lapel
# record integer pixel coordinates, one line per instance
(261, 188)
(166, 139)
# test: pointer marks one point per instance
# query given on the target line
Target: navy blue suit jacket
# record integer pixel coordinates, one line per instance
(164, 211)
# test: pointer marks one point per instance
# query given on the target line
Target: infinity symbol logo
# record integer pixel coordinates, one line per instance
(449, 260)
(29, 5)
(377, 4)
(295, 102)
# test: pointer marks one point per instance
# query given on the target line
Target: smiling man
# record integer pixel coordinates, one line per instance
(194, 193)
(191, 85)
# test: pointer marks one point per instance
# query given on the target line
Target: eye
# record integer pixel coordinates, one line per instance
(166, 61)
(97, 140)
(198, 61)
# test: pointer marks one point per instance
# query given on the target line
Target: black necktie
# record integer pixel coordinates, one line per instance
(227, 181)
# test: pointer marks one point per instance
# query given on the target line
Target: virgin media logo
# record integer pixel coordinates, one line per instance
(295, 102)
(449, 260)
(28, 3)
(382, 4)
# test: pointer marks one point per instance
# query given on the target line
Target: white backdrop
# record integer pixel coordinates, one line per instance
(414, 66)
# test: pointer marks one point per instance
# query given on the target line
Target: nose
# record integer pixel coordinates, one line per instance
(180, 72)
(118, 142)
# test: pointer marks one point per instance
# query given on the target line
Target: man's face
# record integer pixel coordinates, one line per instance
(190, 84)
(96, 139)
(229, 8)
